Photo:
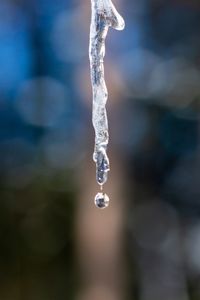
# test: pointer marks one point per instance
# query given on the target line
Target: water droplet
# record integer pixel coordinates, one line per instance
(101, 200)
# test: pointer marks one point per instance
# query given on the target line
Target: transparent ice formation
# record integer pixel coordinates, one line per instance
(104, 15)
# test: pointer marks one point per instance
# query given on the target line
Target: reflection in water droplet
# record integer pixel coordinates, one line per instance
(101, 200)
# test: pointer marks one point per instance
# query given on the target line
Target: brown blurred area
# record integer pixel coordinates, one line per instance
(54, 242)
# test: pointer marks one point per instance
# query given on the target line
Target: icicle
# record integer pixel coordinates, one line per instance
(104, 15)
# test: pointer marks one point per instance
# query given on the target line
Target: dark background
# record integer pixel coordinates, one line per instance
(54, 244)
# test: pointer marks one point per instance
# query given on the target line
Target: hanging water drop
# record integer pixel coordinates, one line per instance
(101, 200)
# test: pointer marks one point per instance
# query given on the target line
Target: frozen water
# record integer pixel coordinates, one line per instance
(104, 15)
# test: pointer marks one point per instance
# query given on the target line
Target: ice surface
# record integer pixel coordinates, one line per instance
(104, 15)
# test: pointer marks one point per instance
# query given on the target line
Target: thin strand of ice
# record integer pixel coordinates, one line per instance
(104, 15)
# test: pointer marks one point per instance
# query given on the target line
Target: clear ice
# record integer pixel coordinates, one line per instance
(104, 15)
(101, 200)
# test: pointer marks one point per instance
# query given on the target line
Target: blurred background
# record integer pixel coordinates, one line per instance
(54, 243)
